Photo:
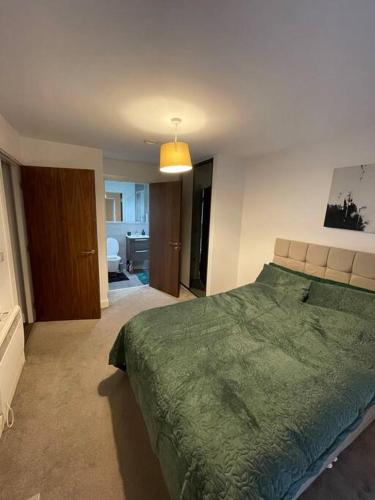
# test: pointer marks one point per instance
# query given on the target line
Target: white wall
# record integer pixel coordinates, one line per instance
(225, 224)
(52, 154)
(135, 171)
(43, 153)
(9, 139)
(286, 196)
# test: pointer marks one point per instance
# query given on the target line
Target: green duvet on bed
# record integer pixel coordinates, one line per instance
(244, 393)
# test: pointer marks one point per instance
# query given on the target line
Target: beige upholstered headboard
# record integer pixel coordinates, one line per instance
(337, 264)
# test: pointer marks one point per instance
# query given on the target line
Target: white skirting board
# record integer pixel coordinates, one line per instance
(104, 303)
(12, 359)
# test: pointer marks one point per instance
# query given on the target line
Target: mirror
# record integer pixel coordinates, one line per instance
(126, 202)
(113, 207)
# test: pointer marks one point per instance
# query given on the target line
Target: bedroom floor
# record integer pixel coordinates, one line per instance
(79, 433)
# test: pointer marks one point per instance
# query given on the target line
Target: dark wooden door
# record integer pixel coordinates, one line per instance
(60, 212)
(165, 242)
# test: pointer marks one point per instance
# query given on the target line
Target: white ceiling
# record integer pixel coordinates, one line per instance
(246, 76)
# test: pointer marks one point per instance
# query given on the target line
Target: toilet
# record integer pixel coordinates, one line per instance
(113, 258)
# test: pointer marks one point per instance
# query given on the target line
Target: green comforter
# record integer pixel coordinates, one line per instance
(245, 393)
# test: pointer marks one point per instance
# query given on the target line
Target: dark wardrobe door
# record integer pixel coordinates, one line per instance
(200, 226)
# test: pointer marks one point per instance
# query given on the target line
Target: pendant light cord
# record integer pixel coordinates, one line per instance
(175, 132)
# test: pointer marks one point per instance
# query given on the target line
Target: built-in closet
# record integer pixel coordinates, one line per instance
(196, 203)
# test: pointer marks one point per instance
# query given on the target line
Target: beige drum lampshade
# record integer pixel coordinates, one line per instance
(175, 157)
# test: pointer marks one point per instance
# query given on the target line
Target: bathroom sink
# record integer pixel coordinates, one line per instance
(134, 236)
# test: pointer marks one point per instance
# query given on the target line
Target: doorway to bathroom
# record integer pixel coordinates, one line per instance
(127, 230)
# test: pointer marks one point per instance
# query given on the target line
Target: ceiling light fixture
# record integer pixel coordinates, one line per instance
(151, 142)
(175, 156)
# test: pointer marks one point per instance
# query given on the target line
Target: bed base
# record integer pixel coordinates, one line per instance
(368, 418)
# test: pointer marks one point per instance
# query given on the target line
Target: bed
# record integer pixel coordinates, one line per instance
(251, 393)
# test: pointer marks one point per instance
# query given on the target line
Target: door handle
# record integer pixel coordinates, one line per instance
(88, 252)
(175, 244)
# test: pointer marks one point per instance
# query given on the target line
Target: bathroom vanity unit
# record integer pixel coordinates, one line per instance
(137, 251)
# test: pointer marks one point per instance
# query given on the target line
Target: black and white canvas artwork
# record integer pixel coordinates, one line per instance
(351, 203)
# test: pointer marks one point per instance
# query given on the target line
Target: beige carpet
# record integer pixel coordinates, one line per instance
(79, 433)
